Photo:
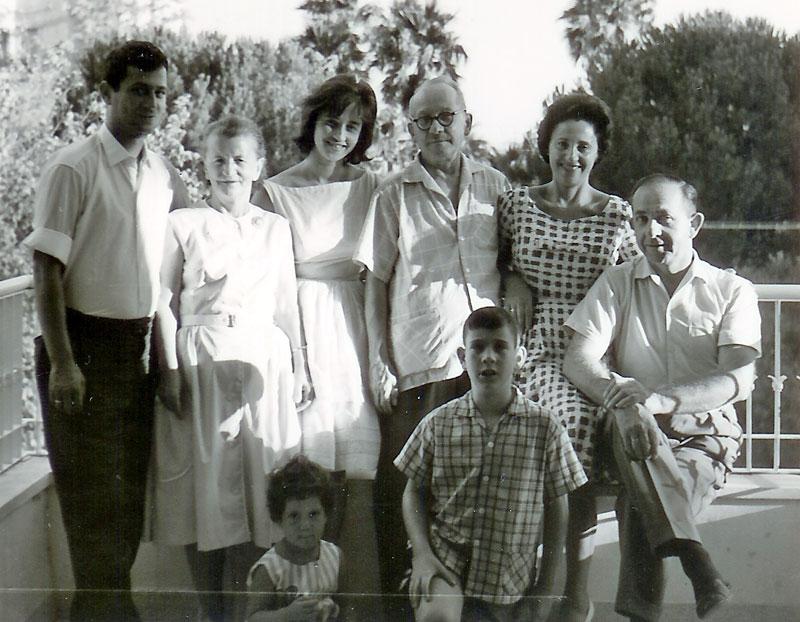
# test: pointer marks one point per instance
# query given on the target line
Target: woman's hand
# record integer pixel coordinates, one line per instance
(303, 391)
(519, 300)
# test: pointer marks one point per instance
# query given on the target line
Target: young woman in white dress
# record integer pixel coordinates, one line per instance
(325, 197)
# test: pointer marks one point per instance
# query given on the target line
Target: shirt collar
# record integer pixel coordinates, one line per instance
(114, 151)
(514, 406)
(416, 173)
(698, 269)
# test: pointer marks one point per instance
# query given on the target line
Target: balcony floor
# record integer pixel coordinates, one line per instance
(752, 531)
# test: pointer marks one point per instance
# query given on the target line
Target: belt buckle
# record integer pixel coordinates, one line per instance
(231, 320)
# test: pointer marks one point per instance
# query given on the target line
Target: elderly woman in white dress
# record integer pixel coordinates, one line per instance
(232, 368)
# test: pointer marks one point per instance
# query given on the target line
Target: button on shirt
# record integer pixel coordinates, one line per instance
(488, 489)
(440, 263)
(104, 215)
(659, 339)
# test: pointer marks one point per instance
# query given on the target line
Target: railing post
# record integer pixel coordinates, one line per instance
(777, 388)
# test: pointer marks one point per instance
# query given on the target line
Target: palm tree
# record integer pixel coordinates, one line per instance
(596, 26)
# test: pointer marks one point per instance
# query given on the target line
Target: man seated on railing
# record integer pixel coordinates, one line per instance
(666, 343)
(98, 237)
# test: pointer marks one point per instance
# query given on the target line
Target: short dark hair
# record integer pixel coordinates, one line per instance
(140, 54)
(332, 97)
(233, 125)
(576, 107)
(490, 318)
(300, 478)
(688, 190)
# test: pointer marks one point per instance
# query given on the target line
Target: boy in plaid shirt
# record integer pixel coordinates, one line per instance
(485, 471)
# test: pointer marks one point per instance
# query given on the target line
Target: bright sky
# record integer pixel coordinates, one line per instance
(517, 49)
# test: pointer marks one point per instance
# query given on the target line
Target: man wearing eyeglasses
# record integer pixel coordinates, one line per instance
(430, 247)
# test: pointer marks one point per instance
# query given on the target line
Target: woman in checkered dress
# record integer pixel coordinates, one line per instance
(555, 240)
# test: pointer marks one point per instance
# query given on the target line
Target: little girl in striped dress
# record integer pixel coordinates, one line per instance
(294, 580)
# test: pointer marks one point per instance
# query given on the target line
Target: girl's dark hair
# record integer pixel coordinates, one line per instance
(332, 97)
(576, 107)
(300, 478)
(140, 54)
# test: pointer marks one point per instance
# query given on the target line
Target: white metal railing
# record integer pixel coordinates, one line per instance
(12, 427)
(777, 296)
(12, 293)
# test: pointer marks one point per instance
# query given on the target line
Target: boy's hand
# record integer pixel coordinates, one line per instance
(540, 602)
(424, 568)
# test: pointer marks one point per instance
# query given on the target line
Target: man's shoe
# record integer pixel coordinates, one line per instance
(710, 600)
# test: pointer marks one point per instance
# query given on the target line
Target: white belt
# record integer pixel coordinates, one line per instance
(231, 320)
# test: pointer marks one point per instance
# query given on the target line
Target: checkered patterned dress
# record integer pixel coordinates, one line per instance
(560, 260)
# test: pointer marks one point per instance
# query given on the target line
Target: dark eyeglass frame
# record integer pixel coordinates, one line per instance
(445, 118)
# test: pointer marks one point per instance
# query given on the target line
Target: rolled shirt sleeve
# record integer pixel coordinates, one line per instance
(56, 211)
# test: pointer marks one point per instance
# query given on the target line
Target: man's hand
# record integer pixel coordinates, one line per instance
(519, 300)
(639, 431)
(424, 568)
(624, 392)
(169, 391)
(383, 385)
(67, 389)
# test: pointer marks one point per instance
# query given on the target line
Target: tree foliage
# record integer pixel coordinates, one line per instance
(595, 27)
(397, 47)
(710, 99)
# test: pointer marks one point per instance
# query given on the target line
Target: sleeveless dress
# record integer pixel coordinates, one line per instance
(241, 422)
(293, 580)
(340, 426)
(560, 260)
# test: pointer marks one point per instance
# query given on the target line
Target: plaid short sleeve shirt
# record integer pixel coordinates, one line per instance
(488, 489)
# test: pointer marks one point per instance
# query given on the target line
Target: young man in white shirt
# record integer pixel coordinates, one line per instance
(99, 222)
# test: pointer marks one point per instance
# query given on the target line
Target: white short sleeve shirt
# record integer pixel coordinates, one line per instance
(439, 260)
(659, 339)
(103, 214)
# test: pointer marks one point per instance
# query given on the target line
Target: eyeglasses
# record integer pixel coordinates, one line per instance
(445, 119)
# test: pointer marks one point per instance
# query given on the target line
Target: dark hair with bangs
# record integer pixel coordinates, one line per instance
(332, 97)
(143, 55)
(300, 478)
(231, 126)
(576, 107)
(491, 318)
